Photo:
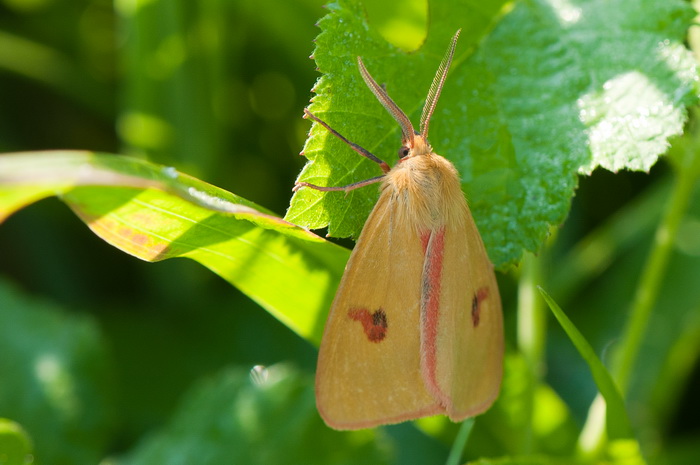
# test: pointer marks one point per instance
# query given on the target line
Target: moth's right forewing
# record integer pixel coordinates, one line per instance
(369, 361)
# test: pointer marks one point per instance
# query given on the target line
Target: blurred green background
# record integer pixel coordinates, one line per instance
(216, 88)
(102, 76)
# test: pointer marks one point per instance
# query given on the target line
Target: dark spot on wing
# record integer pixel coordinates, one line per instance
(374, 324)
(479, 296)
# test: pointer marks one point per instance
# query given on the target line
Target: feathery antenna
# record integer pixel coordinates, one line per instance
(436, 86)
(389, 104)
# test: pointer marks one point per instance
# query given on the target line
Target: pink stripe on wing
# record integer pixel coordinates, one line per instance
(434, 241)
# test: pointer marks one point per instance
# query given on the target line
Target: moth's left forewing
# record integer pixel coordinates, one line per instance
(461, 319)
(470, 331)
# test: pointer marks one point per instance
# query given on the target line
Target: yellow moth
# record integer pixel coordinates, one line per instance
(416, 327)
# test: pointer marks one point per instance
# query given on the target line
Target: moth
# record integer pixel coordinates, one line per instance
(416, 327)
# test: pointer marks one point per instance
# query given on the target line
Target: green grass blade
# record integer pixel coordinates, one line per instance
(617, 423)
(153, 213)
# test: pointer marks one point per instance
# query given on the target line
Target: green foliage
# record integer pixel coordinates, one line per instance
(154, 213)
(540, 93)
(14, 443)
(523, 461)
(618, 426)
(536, 95)
(236, 417)
(55, 379)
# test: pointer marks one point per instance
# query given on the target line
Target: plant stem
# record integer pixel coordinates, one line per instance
(460, 441)
(593, 435)
(531, 338)
(652, 276)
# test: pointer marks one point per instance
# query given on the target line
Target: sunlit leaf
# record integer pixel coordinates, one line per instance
(154, 213)
(539, 92)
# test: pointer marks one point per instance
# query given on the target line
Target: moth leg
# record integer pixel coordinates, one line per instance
(362, 151)
(346, 189)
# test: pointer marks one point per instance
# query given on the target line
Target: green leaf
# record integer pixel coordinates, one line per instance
(618, 426)
(539, 92)
(55, 376)
(154, 213)
(15, 445)
(266, 417)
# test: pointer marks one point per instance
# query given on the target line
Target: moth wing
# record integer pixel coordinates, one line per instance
(369, 361)
(469, 348)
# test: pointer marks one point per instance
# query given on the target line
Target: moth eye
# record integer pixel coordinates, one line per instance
(404, 151)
